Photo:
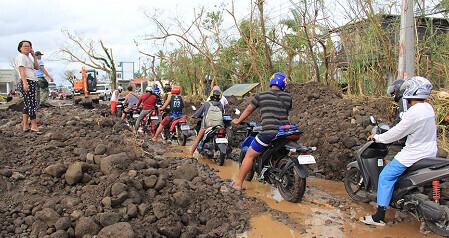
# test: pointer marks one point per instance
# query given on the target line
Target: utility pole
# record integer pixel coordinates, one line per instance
(406, 66)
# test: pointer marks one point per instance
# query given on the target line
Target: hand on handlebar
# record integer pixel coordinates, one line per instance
(235, 121)
(371, 137)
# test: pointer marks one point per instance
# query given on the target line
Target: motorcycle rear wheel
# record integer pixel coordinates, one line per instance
(293, 187)
(180, 138)
(351, 180)
(221, 159)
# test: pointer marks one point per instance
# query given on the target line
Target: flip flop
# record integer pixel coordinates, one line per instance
(369, 221)
(232, 186)
(37, 132)
(26, 130)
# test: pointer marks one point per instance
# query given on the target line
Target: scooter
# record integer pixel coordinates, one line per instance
(422, 190)
(177, 130)
(283, 164)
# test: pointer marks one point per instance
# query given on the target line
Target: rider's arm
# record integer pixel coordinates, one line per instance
(249, 109)
(199, 113)
(167, 102)
(140, 101)
(405, 127)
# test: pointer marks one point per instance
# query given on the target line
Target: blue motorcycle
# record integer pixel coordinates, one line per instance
(283, 164)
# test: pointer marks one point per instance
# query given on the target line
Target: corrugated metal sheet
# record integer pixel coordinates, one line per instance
(239, 90)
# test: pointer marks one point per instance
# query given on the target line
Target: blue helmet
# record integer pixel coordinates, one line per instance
(278, 79)
(156, 89)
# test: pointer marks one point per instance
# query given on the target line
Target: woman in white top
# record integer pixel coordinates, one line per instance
(26, 66)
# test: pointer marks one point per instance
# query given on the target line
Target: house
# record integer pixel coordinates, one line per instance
(125, 73)
(8, 78)
(360, 45)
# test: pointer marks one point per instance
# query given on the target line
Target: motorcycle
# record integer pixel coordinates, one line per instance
(177, 130)
(150, 123)
(131, 116)
(283, 164)
(215, 144)
(422, 190)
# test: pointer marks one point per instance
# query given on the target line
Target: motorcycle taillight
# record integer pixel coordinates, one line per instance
(221, 132)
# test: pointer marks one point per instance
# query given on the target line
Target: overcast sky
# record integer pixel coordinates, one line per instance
(117, 23)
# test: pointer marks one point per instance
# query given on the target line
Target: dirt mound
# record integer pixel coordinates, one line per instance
(335, 125)
(84, 176)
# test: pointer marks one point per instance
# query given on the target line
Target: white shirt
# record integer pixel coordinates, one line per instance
(114, 97)
(418, 124)
(26, 62)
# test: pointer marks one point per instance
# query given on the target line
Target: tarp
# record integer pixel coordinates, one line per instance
(239, 90)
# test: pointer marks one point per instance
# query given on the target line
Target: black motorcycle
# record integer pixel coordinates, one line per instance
(422, 190)
(284, 162)
(215, 144)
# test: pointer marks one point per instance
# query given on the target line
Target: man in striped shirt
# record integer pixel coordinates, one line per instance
(274, 106)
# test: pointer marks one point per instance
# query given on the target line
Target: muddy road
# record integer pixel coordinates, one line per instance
(87, 176)
(326, 210)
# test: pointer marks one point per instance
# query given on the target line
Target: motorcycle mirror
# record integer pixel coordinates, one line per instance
(237, 111)
(372, 120)
(193, 108)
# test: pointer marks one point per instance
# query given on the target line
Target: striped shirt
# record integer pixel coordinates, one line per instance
(274, 107)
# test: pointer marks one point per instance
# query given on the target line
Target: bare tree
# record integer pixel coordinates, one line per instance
(85, 52)
(70, 76)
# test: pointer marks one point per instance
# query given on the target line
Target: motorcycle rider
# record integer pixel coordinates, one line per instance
(148, 100)
(156, 91)
(176, 106)
(274, 106)
(209, 117)
(418, 125)
(167, 91)
(131, 99)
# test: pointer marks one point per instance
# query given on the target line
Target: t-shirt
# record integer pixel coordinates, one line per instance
(132, 99)
(148, 100)
(418, 124)
(274, 107)
(176, 106)
(114, 96)
(26, 62)
(39, 72)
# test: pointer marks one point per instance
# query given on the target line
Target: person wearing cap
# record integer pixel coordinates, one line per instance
(42, 92)
(214, 100)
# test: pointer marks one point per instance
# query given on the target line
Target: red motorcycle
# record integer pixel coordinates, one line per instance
(177, 130)
(150, 123)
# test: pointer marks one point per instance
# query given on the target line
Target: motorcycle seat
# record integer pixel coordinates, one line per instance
(432, 163)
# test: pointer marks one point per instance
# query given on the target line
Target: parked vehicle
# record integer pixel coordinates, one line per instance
(104, 91)
(283, 164)
(422, 190)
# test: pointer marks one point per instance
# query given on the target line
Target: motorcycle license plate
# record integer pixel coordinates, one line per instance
(119, 106)
(221, 140)
(380, 162)
(306, 159)
(154, 117)
(136, 116)
(185, 127)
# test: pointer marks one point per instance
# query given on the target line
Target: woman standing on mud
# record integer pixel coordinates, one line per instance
(26, 67)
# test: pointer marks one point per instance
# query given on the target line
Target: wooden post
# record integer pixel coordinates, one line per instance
(406, 65)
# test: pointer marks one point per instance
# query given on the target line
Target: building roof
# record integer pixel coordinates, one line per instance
(239, 90)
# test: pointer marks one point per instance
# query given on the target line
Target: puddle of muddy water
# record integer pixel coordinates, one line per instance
(314, 214)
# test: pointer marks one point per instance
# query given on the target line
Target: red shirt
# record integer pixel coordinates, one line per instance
(148, 100)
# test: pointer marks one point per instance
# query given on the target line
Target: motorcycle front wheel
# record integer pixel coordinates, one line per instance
(292, 187)
(354, 185)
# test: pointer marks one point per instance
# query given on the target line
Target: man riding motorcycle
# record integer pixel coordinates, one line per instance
(131, 99)
(148, 101)
(274, 106)
(209, 117)
(176, 104)
(418, 125)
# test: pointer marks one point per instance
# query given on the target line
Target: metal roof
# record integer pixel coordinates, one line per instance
(239, 90)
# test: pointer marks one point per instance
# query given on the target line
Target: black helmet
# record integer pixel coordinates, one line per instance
(395, 89)
(216, 95)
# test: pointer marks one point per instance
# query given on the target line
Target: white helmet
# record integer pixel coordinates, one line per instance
(416, 88)
(148, 89)
(120, 88)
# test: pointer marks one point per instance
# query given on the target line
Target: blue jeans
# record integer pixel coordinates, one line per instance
(387, 180)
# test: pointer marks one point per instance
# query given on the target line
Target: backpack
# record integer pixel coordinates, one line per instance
(214, 116)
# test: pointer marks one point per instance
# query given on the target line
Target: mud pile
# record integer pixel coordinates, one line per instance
(335, 125)
(84, 177)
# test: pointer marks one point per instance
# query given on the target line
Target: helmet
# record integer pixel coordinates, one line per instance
(176, 90)
(395, 89)
(148, 89)
(120, 88)
(216, 95)
(278, 79)
(156, 89)
(417, 88)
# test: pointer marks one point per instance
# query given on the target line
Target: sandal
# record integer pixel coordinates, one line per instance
(232, 186)
(36, 131)
(25, 129)
(369, 221)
